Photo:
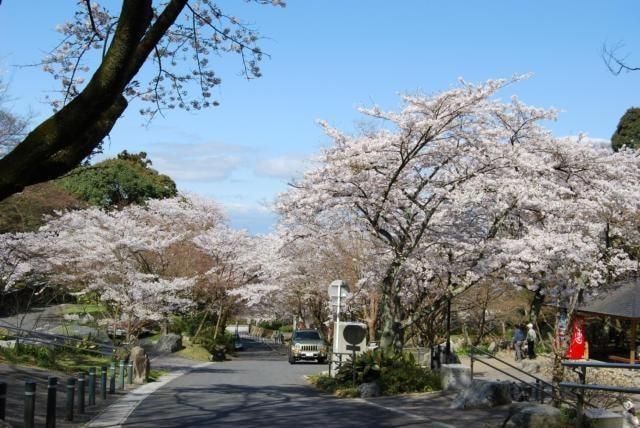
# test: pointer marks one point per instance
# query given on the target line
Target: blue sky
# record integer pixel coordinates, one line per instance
(330, 56)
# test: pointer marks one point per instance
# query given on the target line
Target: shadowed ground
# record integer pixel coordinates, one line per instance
(260, 389)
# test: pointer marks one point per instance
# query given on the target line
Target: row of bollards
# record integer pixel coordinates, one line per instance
(83, 386)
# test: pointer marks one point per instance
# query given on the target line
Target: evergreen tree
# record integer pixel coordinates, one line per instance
(628, 130)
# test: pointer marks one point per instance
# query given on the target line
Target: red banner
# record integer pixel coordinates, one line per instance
(578, 340)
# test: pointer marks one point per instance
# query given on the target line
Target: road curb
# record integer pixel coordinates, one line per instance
(117, 413)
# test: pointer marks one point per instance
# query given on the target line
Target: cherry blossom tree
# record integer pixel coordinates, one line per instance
(100, 63)
(123, 256)
(448, 188)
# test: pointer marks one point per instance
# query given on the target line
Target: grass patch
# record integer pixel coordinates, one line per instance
(194, 352)
(154, 375)
(67, 361)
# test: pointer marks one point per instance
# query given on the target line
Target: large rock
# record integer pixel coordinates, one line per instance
(141, 366)
(169, 343)
(602, 418)
(483, 394)
(455, 377)
(370, 389)
(529, 415)
(530, 366)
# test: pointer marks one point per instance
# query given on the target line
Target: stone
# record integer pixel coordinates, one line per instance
(218, 353)
(169, 343)
(455, 377)
(602, 418)
(529, 415)
(483, 394)
(530, 366)
(141, 366)
(368, 390)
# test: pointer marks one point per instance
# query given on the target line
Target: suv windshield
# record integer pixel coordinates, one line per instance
(306, 335)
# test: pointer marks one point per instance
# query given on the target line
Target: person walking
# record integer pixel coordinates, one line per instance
(518, 340)
(531, 341)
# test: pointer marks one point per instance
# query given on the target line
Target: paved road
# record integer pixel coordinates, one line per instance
(259, 389)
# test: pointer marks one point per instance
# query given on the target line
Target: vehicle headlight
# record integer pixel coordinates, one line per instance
(297, 345)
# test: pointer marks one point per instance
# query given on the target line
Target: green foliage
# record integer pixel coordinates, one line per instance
(25, 211)
(118, 182)
(286, 328)
(186, 324)
(270, 325)
(628, 130)
(394, 373)
(324, 382)
(62, 359)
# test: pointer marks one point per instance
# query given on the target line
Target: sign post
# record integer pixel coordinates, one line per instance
(353, 334)
(338, 290)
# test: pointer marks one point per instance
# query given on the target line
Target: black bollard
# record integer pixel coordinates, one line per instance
(71, 391)
(121, 374)
(112, 379)
(92, 386)
(130, 373)
(81, 388)
(103, 382)
(3, 400)
(52, 389)
(29, 403)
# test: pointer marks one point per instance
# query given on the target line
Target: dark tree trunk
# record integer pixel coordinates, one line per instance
(62, 141)
(392, 339)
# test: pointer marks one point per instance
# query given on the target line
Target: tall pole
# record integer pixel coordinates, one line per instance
(338, 319)
(448, 346)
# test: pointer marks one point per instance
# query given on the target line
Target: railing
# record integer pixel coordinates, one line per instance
(58, 340)
(580, 368)
(536, 386)
(80, 391)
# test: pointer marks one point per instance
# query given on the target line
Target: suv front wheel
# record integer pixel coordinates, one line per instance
(291, 358)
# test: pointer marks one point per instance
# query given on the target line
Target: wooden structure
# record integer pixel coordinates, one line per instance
(623, 301)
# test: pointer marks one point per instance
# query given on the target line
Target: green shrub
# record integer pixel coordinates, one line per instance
(394, 373)
(286, 328)
(270, 325)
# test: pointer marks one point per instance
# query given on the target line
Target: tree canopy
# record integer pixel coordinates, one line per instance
(628, 130)
(119, 182)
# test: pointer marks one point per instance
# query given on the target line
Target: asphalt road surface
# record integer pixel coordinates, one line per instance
(259, 389)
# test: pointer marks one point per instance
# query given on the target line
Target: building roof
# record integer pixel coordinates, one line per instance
(622, 300)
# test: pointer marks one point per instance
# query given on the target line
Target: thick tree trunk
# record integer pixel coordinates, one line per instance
(62, 141)
(392, 339)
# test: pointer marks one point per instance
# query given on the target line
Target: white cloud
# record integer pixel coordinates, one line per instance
(255, 218)
(282, 167)
(197, 162)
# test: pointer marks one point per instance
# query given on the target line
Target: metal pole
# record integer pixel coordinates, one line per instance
(81, 393)
(112, 379)
(121, 374)
(71, 391)
(130, 373)
(337, 345)
(29, 403)
(353, 366)
(103, 382)
(52, 389)
(92, 386)
(582, 375)
(3, 400)
(448, 346)
(471, 364)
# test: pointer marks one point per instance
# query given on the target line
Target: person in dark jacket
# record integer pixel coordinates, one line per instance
(518, 339)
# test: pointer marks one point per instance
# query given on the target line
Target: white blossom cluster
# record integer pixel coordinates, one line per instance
(178, 74)
(459, 188)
